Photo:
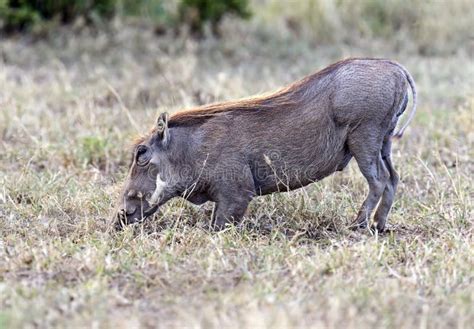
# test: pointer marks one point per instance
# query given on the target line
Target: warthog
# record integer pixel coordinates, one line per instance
(230, 152)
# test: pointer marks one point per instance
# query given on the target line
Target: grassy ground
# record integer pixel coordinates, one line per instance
(70, 107)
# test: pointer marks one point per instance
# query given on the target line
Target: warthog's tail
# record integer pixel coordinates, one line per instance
(411, 82)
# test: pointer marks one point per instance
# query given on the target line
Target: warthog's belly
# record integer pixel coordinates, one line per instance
(277, 175)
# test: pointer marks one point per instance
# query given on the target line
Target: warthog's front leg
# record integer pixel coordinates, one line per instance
(228, 211)
(232, 198)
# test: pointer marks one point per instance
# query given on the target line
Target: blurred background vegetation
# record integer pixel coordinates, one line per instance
(24, 15)
(436, 27)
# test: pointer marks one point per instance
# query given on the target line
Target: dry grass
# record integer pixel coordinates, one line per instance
(292, 263)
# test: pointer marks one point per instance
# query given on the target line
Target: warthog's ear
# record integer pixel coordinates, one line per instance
(162, 128)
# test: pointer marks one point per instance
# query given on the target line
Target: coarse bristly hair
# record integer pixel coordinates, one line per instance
(289, 96)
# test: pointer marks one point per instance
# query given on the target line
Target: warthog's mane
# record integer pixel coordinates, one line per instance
(289, 96)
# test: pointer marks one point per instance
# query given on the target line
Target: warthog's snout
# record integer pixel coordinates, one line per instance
(133, 209)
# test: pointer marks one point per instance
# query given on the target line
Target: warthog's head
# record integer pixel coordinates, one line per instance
(146, 187)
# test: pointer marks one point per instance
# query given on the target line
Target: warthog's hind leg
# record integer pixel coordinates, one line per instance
(390, 189)
(366, 149)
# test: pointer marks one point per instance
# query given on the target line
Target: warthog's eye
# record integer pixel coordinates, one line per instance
(143, 155)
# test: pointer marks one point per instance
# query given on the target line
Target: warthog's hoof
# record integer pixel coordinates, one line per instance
(358, 225)
(379, 230)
